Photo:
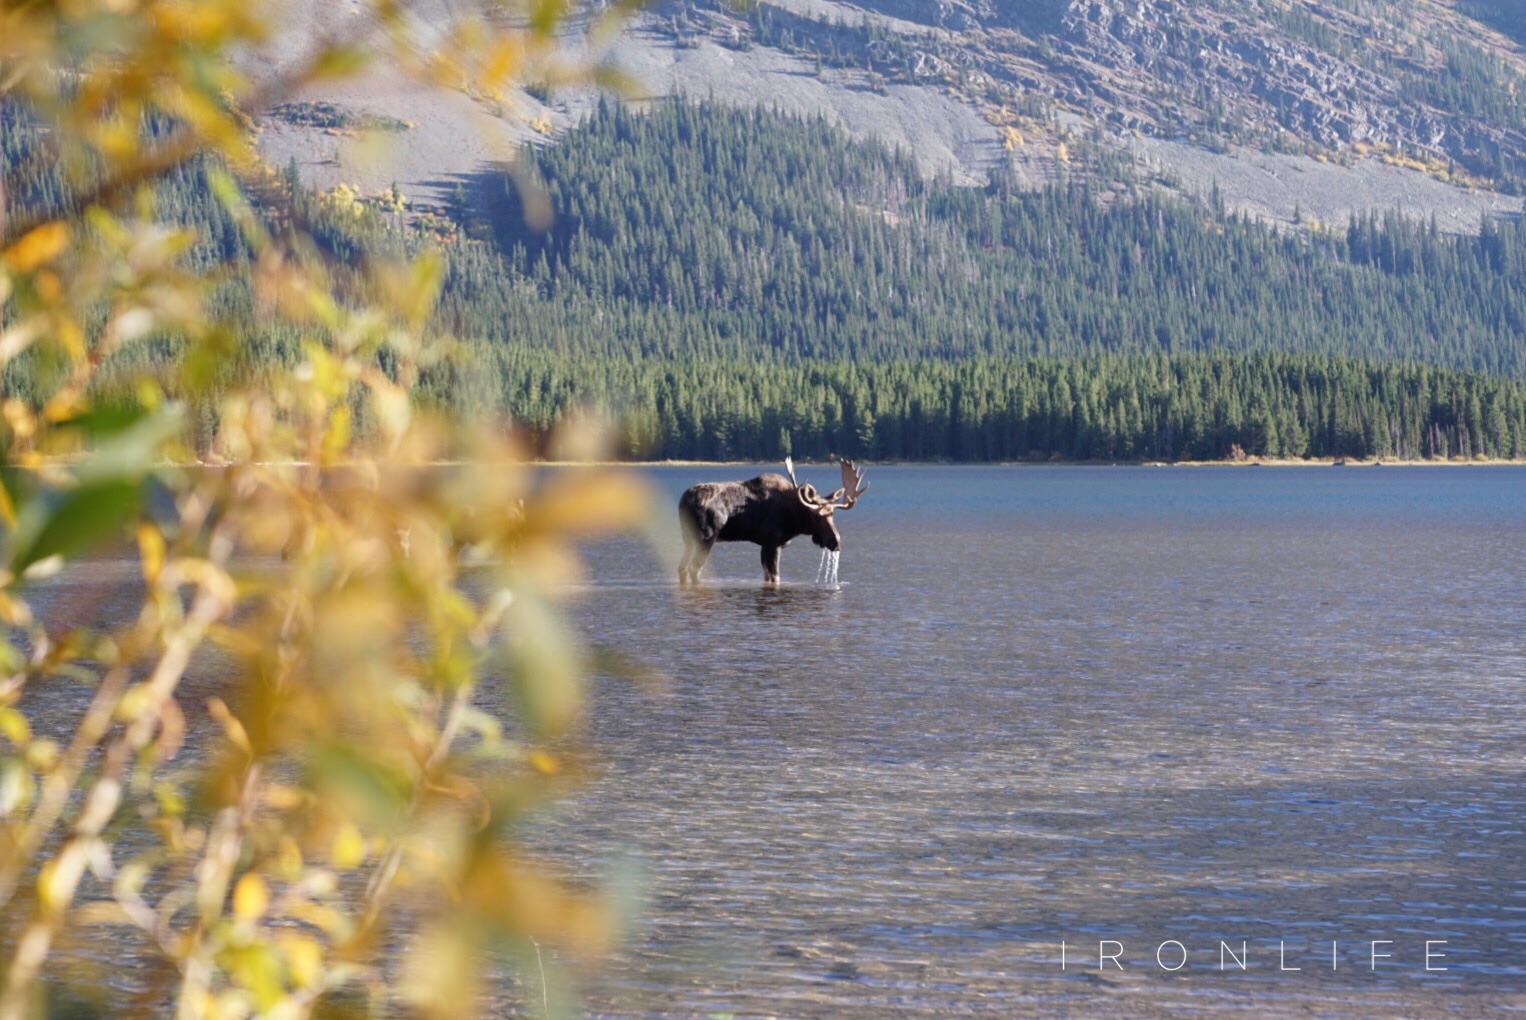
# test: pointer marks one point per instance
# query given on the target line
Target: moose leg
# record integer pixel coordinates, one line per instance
(771, 564)
(693, 562)
(690, 547)
(699, 531)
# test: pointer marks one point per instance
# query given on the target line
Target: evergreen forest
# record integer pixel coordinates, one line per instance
(745, 284)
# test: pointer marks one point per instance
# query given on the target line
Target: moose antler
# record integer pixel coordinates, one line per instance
(807, 492)
(853, 485)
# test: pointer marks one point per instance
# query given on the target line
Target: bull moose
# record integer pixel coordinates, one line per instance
(769, 510)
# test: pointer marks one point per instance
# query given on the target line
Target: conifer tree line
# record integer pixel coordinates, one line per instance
(746, 284)
(1096, 407)
(699, 230)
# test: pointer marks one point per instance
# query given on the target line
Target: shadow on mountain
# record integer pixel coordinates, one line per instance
(1505, 16)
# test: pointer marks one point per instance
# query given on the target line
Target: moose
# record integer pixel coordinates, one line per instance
(769, 510)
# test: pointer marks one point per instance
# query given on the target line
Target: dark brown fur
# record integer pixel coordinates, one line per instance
(765, 510)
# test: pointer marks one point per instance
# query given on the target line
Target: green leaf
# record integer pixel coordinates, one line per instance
(360, 781)
(65, 523)
(130, 453)
(105, 420)
(617, 81)
(545, 15)
(545, 664)
(207, 360)
(75, 522)
(341, 61)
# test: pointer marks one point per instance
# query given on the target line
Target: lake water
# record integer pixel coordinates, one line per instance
(1188, 706)
(1128, 710)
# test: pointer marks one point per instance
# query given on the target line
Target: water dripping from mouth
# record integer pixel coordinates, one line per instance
(826, 573)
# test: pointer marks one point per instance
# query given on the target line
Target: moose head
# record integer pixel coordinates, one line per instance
(822, 529)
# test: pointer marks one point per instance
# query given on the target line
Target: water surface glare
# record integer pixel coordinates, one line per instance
(1078, 704)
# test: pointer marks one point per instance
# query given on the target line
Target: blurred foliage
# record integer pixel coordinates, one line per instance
(271, 788)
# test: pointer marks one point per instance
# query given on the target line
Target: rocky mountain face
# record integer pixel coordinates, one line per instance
(1418, 80)
(1291, 108)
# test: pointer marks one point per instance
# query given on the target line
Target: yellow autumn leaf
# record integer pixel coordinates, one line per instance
(101, 912)
(289, 861)
(304, 959)
(232, 728)
(19, 418)
(13, 726)
(13, 611)
(587, 502)
(37, 247)
(441, 978)
(336, 438)
(57, 879)
(65, 405)
(284, 798)
(16, 787)
(150, 551)
(250, 897)
(349, 849)
(72, 339)
(8, 518)
(504, 58)
(42, 755)
(325, 918)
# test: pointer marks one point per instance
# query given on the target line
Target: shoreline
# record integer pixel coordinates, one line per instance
(1283, 462)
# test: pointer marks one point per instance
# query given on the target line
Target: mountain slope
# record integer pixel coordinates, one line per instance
(1415, 77)
(1356, 105)
(745, 284)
